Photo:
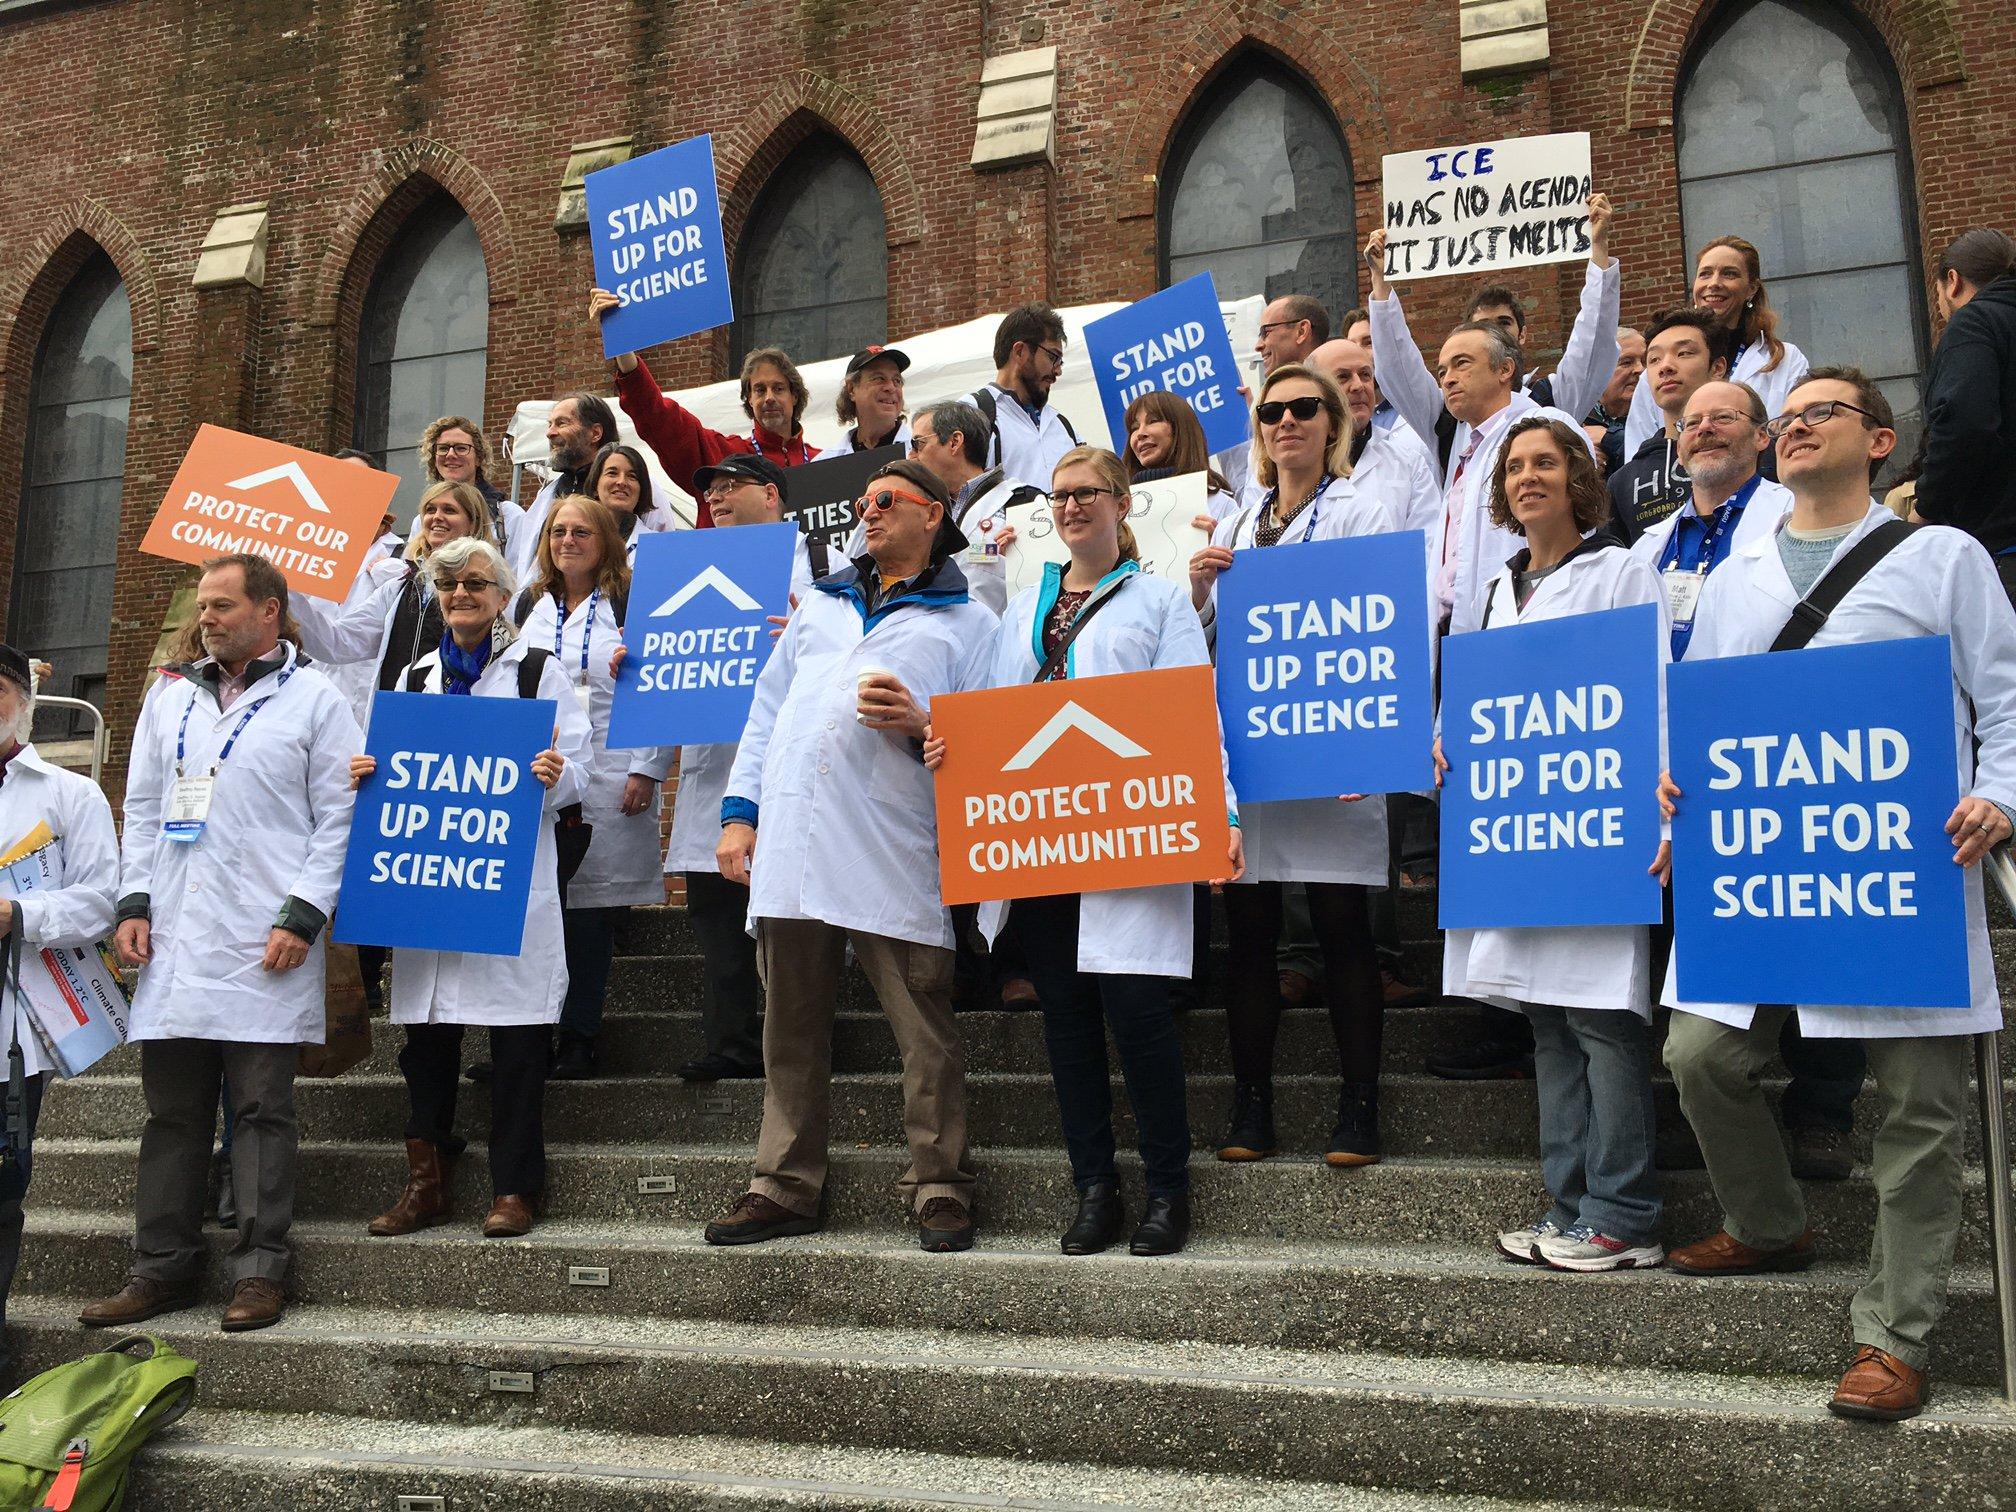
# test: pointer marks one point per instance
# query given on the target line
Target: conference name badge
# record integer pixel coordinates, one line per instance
(189, 807)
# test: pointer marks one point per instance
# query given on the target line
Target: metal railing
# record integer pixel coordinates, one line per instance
(1995, 1154)
(100, 737)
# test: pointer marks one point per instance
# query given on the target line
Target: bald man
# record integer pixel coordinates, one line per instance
(1388, 461)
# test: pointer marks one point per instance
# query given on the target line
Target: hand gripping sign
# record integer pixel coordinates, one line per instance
(1811, 862)
(1485, 205)
(1173, 341)
(698, 633)
(655, 226)
(1550, 808)
(311, 516)
(1084, 785)
(444, 832)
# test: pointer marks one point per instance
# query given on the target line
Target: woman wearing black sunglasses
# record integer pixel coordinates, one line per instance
(1302, 455)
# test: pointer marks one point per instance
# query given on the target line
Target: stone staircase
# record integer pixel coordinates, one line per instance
(1330, 1340)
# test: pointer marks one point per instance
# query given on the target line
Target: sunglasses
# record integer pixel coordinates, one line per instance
(1271, 411)
(477, 586)
(885, 499)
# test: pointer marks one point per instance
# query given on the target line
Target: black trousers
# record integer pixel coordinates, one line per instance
(432, 1064)
(589, 935)
(731, 1007)
(1352, 990)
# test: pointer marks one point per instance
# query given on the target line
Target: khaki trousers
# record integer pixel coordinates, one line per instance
(801, 961)
(1915, 1165)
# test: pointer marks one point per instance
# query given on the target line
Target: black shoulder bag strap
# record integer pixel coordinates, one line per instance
(1084, 618)
(817, 555)
(1811, 612)
(531, 669)
(984, 401)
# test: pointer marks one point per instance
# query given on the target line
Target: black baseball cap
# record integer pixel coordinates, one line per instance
(866, 355)
(15, 668)
(745, 465)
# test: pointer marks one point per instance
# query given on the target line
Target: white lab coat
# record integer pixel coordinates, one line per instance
(358, 632)
(851, 441)
(279, 825)
(1938, 582)
(1401, 471)
(1312, 839)
(1644, 420)
(355, 680)
(454, 987)
(1027, 450)
(73, 907)
(847, 828)
(1136, 931)
(1768, 505)
(1591, 966)
(622, 864)
(703, 774)
(1589, 356)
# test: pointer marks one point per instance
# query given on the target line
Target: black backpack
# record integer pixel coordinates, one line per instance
(988, 405)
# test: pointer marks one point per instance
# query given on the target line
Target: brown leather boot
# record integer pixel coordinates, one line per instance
(425, 1202)
(510, 1218)
(1880, 1387)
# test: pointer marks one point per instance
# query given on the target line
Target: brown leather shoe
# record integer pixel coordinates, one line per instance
(1880, 1387)
(1721, 1254)
(945, 1225)
(139, 1299)
(510, 1218)
(425, 1202)
(255, 1303)
(753, 1218)
(1296, 989)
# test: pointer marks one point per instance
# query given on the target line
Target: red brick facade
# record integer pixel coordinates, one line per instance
(134, 121)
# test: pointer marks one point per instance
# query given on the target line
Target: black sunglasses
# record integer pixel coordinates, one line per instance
(1305, 408)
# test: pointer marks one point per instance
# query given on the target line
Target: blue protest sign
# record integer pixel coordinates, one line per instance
(1550, 809)
(697, 634)
(1323, 669)
(1174, 341)
(442, 839)
(1811, 862)
(655, 226)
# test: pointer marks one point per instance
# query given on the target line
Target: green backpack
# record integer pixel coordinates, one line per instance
(68, 1437)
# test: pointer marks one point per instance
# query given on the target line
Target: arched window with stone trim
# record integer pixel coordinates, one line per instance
(68, 539)
(1257, 191)
(423, 345)
(1791, 132)
(812, 268)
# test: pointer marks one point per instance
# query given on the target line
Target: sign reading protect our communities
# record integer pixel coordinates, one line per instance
(309, 515)
(1175, 342)
(655, 226)
(443, 835)
(1080, 786)
(1550, 809)
(698, 634)
(1484, 205)
(1811, 862)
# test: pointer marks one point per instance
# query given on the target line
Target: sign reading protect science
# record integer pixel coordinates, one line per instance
(655, 226)
(1083, 785)
(1811, 862)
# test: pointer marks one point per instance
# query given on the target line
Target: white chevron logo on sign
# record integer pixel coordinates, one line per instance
(1072, 717)
(292, 472)
(709, 577)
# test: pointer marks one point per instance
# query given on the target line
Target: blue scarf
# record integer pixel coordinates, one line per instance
(459, 668)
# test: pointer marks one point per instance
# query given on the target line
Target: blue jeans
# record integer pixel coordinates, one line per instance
(1593, 1067)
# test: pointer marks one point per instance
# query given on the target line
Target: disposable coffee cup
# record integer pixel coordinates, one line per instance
(861, 679)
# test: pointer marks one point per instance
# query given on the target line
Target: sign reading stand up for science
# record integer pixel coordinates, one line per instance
(1478, 206)
(1173, 341)
(655, 226)
(1811, 862)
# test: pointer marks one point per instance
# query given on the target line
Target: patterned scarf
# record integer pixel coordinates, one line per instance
(459, 668)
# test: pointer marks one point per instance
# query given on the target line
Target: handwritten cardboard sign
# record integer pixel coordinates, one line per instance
(1479, 206)
(1162, 517)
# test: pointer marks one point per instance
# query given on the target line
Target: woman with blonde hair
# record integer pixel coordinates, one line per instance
(1106, 958)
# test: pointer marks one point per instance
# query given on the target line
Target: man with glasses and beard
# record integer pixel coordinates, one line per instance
(1029, 433)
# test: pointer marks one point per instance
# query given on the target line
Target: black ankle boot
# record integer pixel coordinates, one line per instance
(1355, 1140)
(1097, 1226)
(1251, 1135)
(1165, 1227)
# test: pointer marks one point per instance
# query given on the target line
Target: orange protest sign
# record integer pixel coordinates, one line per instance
(311, 516)
(1080, 786)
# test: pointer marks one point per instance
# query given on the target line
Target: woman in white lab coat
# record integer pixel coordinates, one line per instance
(575, 606)
(1105, 958)
(435, 993)
(1302, 446)
(1585, 989)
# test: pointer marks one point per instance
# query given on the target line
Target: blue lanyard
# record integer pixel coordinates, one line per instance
(1724, 518)
(560, 626)
(1314, 508)
(182, 732)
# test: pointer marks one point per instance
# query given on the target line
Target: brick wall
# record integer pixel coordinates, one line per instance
(143, 117)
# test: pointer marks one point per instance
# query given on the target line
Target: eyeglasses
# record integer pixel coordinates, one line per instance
(475, 587)
(919, 440)
(718, 491)
(1272, 410)
(569, 533)
(454, 449)
(1082, 497)
(885, 499)
(1720, 419)
(1055, 354)
(1814, 415)
(1277, 325)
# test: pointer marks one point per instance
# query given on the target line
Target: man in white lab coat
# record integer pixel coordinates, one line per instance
(237, 817)
(1832, 436)
(1030, 433)
(830, 775)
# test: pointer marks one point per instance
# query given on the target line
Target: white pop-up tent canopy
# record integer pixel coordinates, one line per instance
(944, 364)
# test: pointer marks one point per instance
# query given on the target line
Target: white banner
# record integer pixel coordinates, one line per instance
(1486, 205)
(1161, 517)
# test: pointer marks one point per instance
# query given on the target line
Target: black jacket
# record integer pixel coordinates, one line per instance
(1647, 489)
(1967, 478)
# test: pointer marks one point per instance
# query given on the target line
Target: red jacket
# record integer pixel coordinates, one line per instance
(684, 445)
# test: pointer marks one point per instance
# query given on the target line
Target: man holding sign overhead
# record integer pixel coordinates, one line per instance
(1846, 572)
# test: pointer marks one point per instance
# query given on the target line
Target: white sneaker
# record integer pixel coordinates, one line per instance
(1522, 1245)
(1583, 1249)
